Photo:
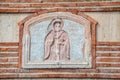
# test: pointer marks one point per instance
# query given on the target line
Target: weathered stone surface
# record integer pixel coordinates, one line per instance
(36, 30)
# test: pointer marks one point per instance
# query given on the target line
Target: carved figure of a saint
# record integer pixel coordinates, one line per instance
(57, 44)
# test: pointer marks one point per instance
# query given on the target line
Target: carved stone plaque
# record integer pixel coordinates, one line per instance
(57, 40)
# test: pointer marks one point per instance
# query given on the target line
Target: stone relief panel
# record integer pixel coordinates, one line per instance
(55, 41)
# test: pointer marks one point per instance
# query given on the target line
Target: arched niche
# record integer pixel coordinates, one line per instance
(80, 29)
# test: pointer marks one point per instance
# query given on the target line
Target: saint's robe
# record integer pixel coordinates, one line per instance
(57, 46)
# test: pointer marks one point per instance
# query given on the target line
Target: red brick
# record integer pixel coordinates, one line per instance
(42, 11)
(63, 70)
(42, 5)
(108, 54)
(9, 54)
(20, 45)
(108, 43)
(65, 4)
(14, 1)
(74, 11)
(52, 10)
(54, 75)
(3, 59)
(108, 65)
(32, 10)
(9, 43)
(27, 10)
(12, 59)
(7, 70)
(11, 70)
(8, 65)
(68, 4)
(107, 49)
(8, 76)
(8, 49)
(61, 9)
(98, 4)
(80, 73)
(109, 70)
(117, 59)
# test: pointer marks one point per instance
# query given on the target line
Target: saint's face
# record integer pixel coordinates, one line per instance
(57, 27)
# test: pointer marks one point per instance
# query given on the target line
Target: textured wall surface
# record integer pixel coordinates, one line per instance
(9, 30)
(107, 29)
(108, 25)
(107, 55)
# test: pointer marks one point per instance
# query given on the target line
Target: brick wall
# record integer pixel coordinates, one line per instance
(107, 64)
(107, 52)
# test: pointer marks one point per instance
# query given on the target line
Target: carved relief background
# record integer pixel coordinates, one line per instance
(39, 31)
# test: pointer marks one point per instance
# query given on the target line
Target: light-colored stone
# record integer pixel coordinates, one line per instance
(9, 30)
(108, 28)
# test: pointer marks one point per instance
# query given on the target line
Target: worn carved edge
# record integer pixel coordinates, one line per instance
(82, 6)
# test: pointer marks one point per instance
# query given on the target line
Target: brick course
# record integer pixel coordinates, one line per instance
(104, 66)
(82, 6)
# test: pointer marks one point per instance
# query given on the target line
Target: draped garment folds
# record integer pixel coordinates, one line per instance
(57, 46)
